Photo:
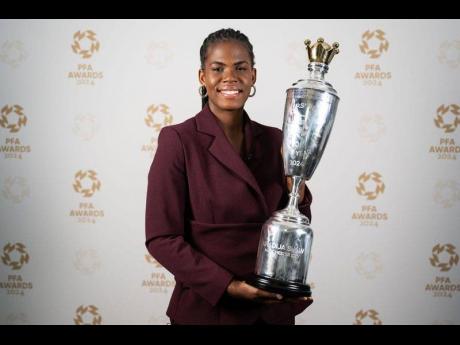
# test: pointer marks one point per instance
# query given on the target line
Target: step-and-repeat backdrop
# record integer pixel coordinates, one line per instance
(81, 106)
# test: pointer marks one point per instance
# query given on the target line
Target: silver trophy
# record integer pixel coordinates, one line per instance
(286, 238)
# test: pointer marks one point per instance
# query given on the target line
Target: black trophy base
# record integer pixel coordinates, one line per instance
(287, 289)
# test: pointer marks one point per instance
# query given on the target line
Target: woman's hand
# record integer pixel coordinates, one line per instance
(242, 290)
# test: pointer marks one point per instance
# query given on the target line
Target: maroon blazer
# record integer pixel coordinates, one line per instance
(204, 212)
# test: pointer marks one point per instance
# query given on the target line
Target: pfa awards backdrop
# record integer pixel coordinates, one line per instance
(81, 106)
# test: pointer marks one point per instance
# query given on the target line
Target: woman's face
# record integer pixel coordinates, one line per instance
(227, 75)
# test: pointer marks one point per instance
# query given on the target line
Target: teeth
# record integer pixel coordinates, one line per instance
(229, 92)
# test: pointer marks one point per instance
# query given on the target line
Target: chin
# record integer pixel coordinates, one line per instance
(230, 105)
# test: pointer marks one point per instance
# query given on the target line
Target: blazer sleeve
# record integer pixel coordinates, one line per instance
(165, 223)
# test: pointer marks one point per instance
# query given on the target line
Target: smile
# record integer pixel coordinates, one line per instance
(230, 92)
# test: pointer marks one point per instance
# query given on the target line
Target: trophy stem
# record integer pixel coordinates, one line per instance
(292, 208)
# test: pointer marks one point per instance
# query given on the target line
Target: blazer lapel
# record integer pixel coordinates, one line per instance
(222, 150)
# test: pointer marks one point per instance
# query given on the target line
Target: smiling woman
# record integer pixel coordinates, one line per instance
(227, 74)
(227, 70)
(215, 179)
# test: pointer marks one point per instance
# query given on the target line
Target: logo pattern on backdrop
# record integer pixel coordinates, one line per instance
(373, 45)
(9, 250)
(446, 265)
(81, 176)
(82, 313)
(157, 117)
(85, 38)
(373, 193)
(7, 112)
(368, 315)
(447, 127)
(443, 258)
(372, 51)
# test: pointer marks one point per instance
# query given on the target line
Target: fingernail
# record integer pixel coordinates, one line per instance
(279, 296)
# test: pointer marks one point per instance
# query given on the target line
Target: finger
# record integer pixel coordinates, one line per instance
(302, 192)
(270, 295)
(259, 293)
(269, 301)
(289, 182)
(309, 302)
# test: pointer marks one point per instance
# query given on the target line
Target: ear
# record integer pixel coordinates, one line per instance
(201, 77)
(254, 75)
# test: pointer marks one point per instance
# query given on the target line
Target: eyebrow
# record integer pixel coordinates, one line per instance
(235, 64)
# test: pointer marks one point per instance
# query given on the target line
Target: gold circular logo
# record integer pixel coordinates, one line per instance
(374, 53)
(444, 266)
(158, 116)
(95, 183)
(88, 35)
(379, 188)
(91, 309)
(371, 314)
(10, 110)
(453, 109)
(8, 249)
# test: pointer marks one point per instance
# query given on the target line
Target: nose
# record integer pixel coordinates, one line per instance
(229, 76)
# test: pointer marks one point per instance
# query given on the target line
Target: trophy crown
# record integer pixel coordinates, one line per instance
(321, 51)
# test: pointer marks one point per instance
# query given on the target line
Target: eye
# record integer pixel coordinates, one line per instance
(241, 68)
(217, 69)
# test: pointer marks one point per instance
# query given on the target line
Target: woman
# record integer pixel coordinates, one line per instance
(215, 179)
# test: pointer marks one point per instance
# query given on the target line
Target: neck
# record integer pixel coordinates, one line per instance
(231, 121)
